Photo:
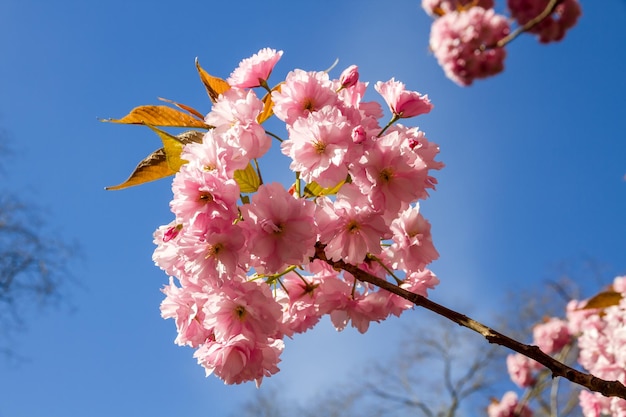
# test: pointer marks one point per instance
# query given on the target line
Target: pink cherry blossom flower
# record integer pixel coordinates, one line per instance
(403, 103)
(438, 8)
(234, 116)
(303, 93)
(553, 27)
(300, 305)
(184, 305)
(212, 249)
(412, 247)
(551, 336)
(203, 193)
(240, 359)
(247, 308)
(280, 229)
(464, 43)
(254, 71)
(318, 146)
(349, 227)
(508, 406)
(521, 369)
(594, 404)
(390, 174)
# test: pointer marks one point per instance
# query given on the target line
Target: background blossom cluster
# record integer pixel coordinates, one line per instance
(245, 266)
(597, 328)
(465, 35)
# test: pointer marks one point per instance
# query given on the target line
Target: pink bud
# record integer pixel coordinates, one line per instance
(358, 134)
(349, 76)
(172, 232)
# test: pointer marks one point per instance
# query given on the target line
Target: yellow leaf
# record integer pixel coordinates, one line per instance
(603, 300)
(152, 168)
(159, 164)
(173, 147)
(159, 116)
(313, 189)
(214, 86)
(268, 106)
(247, 179)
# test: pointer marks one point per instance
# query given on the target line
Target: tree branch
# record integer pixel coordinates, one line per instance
(606, 388)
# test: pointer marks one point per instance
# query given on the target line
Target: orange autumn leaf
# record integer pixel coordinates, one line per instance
(159, 116)
(603, 300)
(188, 109)
(214, 85)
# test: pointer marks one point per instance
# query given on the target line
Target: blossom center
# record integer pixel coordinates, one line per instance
(308, 104)
(353, 226)
(386, 175)
(214, 250)
(270, 227)
(240, 311)
(319, 146)
(205, 197)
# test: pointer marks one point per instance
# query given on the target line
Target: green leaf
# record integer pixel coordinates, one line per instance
(247, 179)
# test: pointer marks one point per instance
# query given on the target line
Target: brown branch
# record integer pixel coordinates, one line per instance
(524, 28)
(606, 388)
(529, 25)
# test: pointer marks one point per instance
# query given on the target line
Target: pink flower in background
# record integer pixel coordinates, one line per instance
(438, 8)
(552, 335)
(520, 369)
(464, 44)
(403, 103)
(254, 71)
(508, 406)
(553, 27)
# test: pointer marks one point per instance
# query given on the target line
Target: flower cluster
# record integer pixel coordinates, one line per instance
(602, 344)
(598, 328)
(246, 255)
(468, 38)
(553, 27)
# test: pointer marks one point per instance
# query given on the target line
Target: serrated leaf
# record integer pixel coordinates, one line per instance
(268, 106)
(151, 168)
(313, 189)
(247, 179)
(603, 300)
(214, 85)
(181, 106)
(156, 165)
(159, 116)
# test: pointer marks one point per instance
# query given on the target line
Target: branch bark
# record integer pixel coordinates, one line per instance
(606, 388)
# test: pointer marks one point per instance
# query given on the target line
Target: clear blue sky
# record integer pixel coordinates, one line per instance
(535, 162)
